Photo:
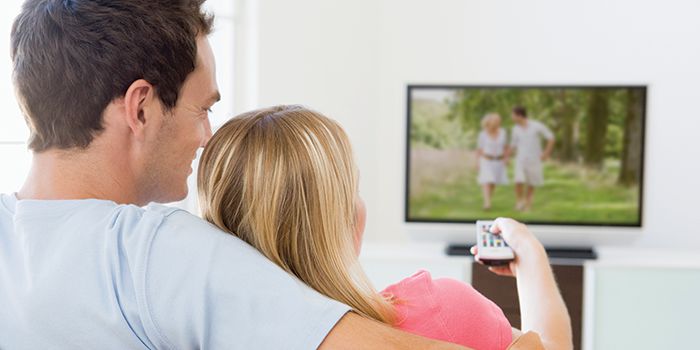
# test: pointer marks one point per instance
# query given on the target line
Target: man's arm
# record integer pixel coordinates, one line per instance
(511, 146)
(549, 136)
(548, 149)
(355, 332)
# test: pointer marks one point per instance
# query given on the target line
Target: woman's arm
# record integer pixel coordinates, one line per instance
(542, 308)
(479, 154)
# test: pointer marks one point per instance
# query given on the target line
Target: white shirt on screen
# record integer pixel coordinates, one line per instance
(528, 140)
(91, 274)
(492, 146)
(492, 171)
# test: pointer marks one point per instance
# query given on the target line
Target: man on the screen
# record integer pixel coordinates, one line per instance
(526, 142)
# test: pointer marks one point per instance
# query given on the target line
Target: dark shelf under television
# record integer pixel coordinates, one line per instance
(553, 252)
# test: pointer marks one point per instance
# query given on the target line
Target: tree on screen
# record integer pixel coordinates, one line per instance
(632, 142)
(593, 127)
(596, 128)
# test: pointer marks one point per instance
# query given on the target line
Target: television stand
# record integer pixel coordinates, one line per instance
(552, 252)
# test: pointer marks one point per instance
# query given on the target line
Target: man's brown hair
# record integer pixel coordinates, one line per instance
(73, 57)
(520, 110)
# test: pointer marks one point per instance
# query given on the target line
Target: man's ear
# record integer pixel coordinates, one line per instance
(138, 96)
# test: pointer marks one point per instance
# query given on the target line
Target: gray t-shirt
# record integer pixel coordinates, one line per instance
(528, 140)
(91, 274)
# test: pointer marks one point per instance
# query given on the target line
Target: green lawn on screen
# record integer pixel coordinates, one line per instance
(571, 194)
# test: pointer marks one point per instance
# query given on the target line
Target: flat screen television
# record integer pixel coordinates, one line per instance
(545, 155)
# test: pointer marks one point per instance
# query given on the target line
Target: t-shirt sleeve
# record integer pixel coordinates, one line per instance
(514, 138)
(208, 289)
(546, 132)
(449, 310)
(480, 141)
(468, 312)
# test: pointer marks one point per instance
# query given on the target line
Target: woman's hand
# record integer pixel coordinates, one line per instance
(542, 308)
(527, 249)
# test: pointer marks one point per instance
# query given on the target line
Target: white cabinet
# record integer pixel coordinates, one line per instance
(643, 307)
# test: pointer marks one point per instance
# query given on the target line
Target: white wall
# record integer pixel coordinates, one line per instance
(352, 60)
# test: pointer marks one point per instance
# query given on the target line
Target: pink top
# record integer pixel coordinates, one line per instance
(449, 310)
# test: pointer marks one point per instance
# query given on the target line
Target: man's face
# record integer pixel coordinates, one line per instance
(184, 130)
(517, 119)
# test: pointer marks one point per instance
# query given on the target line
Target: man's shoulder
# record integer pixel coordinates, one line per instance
(537, 123)
(543, 129)
(516, 130)
(185, 226)
(180, 229)
(197, 283)
(173, 217)
(177, 216)
(157, 227)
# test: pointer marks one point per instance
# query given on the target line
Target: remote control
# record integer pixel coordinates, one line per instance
(492, 249)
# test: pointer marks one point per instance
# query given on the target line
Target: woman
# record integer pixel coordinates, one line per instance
(491, 151)
(284, 180)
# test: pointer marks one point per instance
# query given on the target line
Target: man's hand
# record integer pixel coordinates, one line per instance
(548, 150)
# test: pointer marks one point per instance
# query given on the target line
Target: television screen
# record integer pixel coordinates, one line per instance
(559, 155)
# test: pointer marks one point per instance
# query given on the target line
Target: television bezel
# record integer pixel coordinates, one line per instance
(407, 154)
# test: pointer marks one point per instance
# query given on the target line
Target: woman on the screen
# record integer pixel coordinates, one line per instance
(284, 180)
(491, 150)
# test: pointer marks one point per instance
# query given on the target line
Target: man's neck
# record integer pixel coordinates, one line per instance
(56, 175)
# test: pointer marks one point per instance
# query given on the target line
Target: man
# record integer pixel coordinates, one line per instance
(526, 141)
(116, 95)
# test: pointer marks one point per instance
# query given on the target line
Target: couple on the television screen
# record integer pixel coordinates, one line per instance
(494, 152)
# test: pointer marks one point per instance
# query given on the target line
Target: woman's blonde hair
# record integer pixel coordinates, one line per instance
(491, 121)
(284, 180)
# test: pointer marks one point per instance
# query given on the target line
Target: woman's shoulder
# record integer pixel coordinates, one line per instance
(448, 309)
(422, 285)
